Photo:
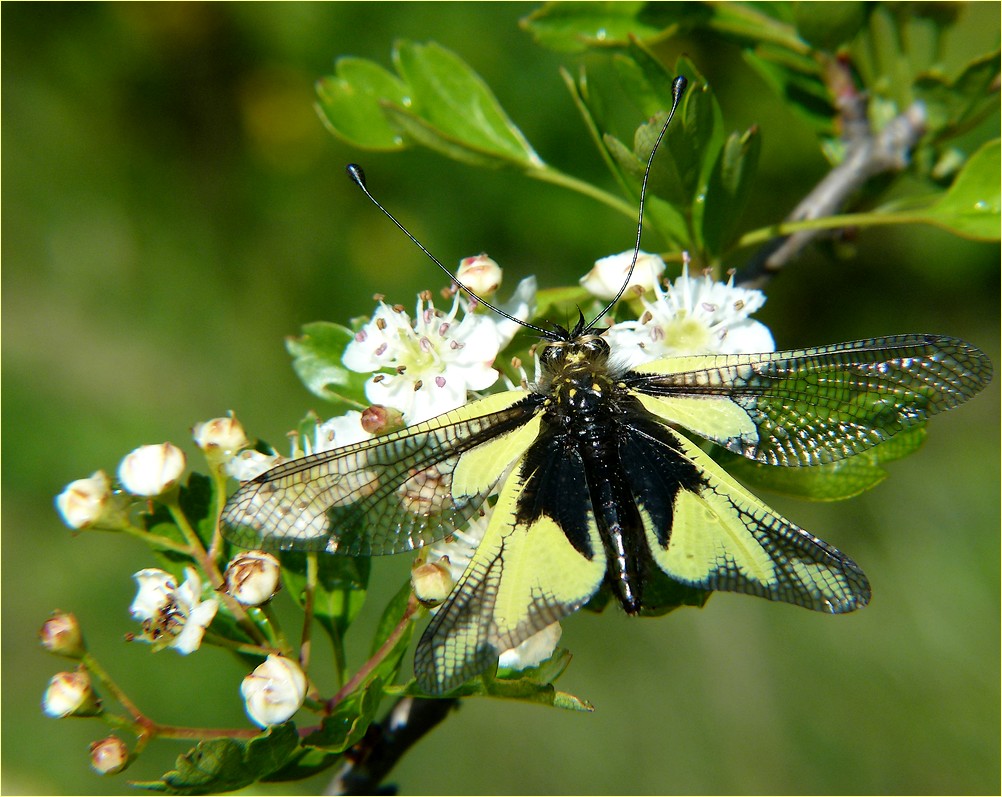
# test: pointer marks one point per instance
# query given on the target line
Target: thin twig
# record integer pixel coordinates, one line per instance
(866, 156)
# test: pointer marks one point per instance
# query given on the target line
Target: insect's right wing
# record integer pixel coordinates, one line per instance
(386, 495)
(813, 406)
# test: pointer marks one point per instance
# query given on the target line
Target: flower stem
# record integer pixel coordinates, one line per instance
(360, 677)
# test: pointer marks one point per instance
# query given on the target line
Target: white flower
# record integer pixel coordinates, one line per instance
(606, 278)
(225, 436)
(457, 553)
(70, 693)
(274, 691)
(340, 431)
(172, 616)
(250, 464)
(533, 651)
(437, 359)
(152, 470)
(252, 577)
(481, 274)
(83, 501)
(696, 315)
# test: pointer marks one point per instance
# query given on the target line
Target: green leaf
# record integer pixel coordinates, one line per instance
(828, 25)
(350, 103)
(576, 26)
(437, 101)
(954, 106)
(797, 81)
(452, 107)
(340, 590)
(316, 359)
(832, 482)
(971, 207)
(729, 189)
(220, 765)
(349, 720)
(529, 686)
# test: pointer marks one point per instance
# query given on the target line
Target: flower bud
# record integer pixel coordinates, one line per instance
(481, 274)
(221, 437)
(84, 500)
(431, 581)
(379, 419)
(109, 756)
(60, 635)
(152, 470)
(252, 577)
(274, 691)
(70, 694)
(606, 278)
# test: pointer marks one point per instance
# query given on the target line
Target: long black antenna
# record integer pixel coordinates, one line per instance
(677, 88)
(358, 177)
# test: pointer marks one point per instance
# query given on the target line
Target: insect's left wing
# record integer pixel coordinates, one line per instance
(390, 494)
(706, 530)
(813, 406)
(524, 575)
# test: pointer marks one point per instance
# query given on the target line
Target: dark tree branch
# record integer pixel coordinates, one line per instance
(372, 759)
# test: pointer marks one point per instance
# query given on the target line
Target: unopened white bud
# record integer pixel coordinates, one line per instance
(481, 274)
(252, 577)
(152, 470)
(84, 500)
(70, 694)
(533, 651)
(431, 581)
(274, 691)
(109, 756)
(60, 635)
(220, 438)
(606, 278)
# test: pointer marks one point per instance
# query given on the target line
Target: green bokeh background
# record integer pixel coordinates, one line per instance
(173, 208)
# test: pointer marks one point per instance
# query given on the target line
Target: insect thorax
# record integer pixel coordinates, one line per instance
(580, 387)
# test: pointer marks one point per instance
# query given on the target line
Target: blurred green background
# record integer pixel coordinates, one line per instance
(173, 208)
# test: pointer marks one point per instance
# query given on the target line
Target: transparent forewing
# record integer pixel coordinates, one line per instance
(716, 535)
(524, 575)
(813, 406)
(386, 495)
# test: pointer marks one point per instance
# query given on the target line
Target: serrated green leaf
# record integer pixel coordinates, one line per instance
(349, 102)
(577, 26)
(644, 79)
(316, 359)
(447, 96)
(349, 720)
(729, 189)
(522, 688)
(834, 481)
(971, 207)
(392, 615)
(220, 765)
(828, 25)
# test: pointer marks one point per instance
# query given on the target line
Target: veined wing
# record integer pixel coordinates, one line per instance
(813, 406)
(524, 575)
(704, 529)
(390, 494)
